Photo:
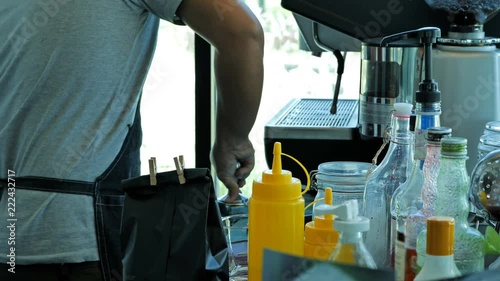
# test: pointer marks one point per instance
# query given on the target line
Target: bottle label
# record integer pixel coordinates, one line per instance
(411, 267)
(400, 253)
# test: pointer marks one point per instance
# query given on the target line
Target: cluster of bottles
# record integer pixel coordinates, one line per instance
(408, 188)
(414, 217)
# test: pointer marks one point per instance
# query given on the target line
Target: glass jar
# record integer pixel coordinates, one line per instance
(346, 179)
(485, 186)
(490, 140)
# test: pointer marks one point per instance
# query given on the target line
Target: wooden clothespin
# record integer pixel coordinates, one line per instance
(152, 171)
(181, 161)
(179, 166)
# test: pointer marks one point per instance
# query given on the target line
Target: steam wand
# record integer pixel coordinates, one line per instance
(340, 71)
(340, 66)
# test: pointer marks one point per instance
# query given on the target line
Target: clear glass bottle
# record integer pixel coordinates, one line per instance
(405, 200)
(383, 181)
(415, 221)
(452, 200)
(407, 197)
(440, 262)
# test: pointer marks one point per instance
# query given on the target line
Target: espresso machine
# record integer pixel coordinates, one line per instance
(465, 59)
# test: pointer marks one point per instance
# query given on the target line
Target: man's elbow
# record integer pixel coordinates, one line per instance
(243, 34)
(255, 34)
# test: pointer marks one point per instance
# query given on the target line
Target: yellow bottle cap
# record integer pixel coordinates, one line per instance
(440, 235)
(321, 233)
(277, 184)
(322, 225)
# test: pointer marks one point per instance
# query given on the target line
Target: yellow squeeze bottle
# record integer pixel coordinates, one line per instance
(275, 215)
(320, 236)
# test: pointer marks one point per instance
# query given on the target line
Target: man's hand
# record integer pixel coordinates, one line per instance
(233, 162)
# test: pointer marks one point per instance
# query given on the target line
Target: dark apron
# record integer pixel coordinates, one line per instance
(108, 197)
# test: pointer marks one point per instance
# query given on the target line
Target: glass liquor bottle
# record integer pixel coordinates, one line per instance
(413, 219)
(382, 182)
(405, 200)
(452, 200)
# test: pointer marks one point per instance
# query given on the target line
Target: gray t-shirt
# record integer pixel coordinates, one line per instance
(71, 73)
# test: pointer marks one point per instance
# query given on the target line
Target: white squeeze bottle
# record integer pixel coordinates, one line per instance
(439, 263)
(350, 248)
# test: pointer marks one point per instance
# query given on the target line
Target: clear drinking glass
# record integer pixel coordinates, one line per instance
(236, 231)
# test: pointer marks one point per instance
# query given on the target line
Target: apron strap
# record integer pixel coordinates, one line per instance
(52, 185)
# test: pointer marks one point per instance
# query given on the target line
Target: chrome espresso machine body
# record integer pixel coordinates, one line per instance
(465, 64)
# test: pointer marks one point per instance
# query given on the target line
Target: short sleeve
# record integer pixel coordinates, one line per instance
(164, 9)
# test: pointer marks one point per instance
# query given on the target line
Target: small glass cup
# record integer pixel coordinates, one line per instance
(236, 231)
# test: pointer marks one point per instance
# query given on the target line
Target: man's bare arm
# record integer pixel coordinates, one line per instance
(237, 37)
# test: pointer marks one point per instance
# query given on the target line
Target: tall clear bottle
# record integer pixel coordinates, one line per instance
(405, 200)
(413, 219)
(452, 200)
(383, 181)
(407, 197)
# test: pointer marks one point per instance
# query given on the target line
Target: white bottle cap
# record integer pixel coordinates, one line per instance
(402, 108)
(359, 224)
(347, 219)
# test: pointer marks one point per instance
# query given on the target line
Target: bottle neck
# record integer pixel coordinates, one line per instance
(400, 131)
(401, 138)
(428, 109)
(458, 161)
(351, 237)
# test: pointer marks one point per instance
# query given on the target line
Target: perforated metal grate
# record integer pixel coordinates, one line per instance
(316, 113)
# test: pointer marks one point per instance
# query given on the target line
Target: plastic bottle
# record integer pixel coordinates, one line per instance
(275, 215)
(320, 236)
(416, 221)
(350, 249)
(439, 263)
(427, 112)
(383, 181)
(452, 200)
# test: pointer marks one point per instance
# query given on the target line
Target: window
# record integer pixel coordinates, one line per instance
(167, 105)
(291, 73)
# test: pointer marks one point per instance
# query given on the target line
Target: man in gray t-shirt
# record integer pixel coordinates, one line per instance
(71, 75)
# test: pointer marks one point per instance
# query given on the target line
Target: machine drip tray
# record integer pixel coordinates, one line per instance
(311, 119)
(311, 134)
